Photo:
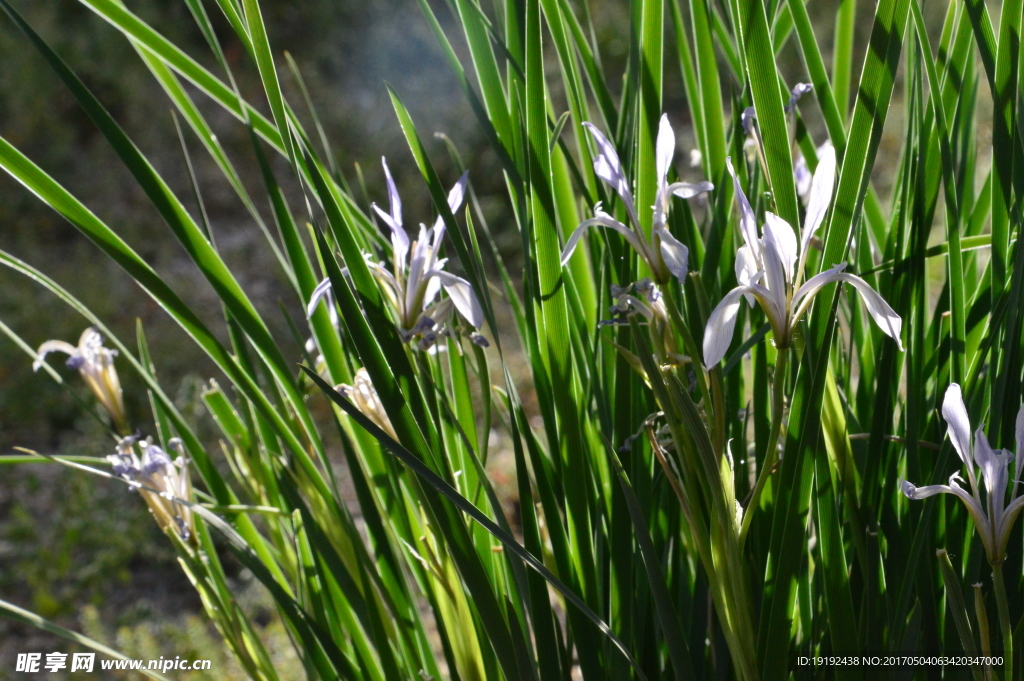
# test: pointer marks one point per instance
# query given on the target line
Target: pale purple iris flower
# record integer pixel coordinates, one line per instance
(418, 276)
(664, 255)
(769, 269)
(994, 517)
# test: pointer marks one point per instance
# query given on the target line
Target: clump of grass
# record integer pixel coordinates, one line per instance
(686, 510)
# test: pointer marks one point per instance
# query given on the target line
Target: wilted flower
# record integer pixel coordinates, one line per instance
(994, 518)
(650, 304)
(155, 470)
(665, 255)
(775, 260)
(95, 363)
(417, 275)
(364, 396)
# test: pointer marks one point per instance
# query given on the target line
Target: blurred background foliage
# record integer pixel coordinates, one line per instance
(77, 548)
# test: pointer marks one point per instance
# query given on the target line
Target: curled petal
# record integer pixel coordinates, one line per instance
(53, 346)
(721, 324)
(911, 491)
(675, 254)
(798, 91)
(686, 190)
(779, 234)
(748, 223)
(322, 290)
(815, 283)
(666, 147)
(958, 425)
(603, 219)
(820, 194)
(973, 507)
(462, 295)
(886, 318)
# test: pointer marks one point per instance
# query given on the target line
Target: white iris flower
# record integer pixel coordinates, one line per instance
(665, 255)
(770, 269)
(994, 518)
(417, 275)
(95, 364)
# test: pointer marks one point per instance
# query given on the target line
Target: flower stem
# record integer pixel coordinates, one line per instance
(772, 455)
(1004, 619)
(982, 615)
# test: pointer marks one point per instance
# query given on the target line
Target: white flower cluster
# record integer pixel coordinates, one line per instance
(417, 276)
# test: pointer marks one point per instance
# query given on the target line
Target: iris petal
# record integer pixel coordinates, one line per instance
(822, 185)
(675, 254)
(609, 169)
(686, 190)
(780, 233)
(462, 295)
(886, 318)
(53, 346)
(748, 223)
(666, 147)
(958, 425)
(721, 324)
(603, 219)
